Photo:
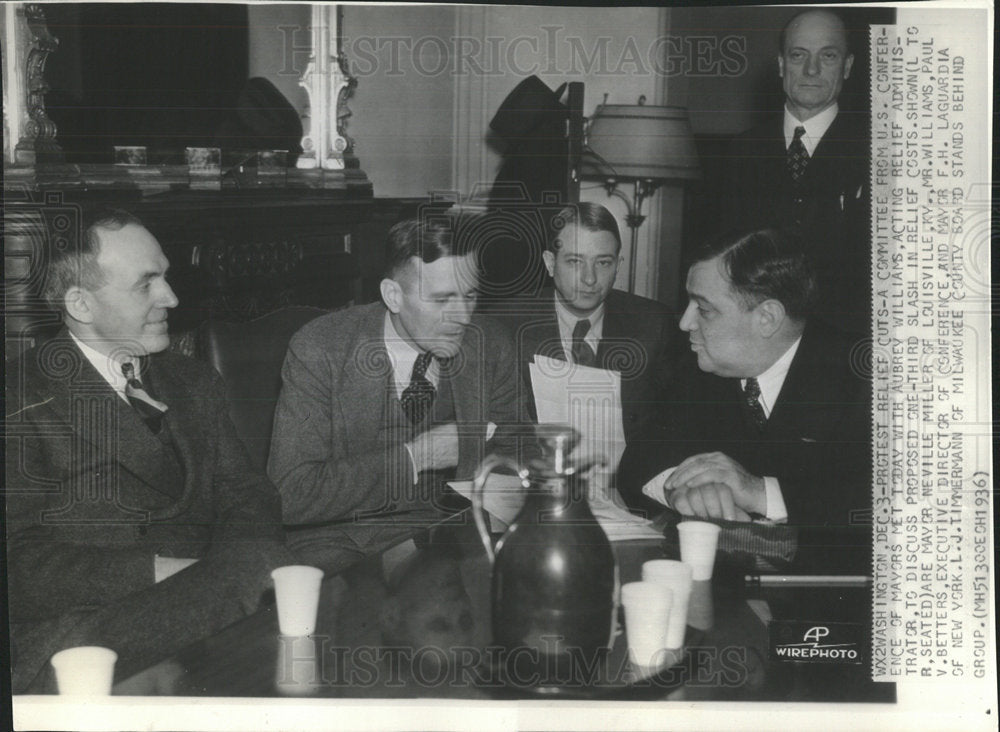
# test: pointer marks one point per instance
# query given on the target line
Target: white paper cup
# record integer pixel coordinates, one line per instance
(296, 588)
(85, 670)
(699, 540)
(647, 615)
(676, 576)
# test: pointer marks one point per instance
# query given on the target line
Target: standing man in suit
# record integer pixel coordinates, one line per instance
(772, 422)
(381, 403)
(134, 520)
(581, 319)
(807, 168)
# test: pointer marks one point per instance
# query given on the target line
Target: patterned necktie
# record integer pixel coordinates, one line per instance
(798, 158)
(150, 409)
(419, 395)
(583, 354)
(751, 397)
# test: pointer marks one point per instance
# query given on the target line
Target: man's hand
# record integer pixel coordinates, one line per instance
(714, 485)
(435, 449)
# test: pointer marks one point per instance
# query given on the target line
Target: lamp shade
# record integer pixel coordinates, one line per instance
(636, 141)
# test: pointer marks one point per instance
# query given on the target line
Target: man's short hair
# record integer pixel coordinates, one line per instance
(832, 14)
(427, 239)
(75, 265)
(765, 264)
(588, 216)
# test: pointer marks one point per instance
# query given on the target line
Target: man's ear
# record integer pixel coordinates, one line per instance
(76, 302)
(781, 66)
(550, 261)
(392, 294)
(770, 317)
(848, 63)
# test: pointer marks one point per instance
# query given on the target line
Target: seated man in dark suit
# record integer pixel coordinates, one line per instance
(583, 320)
(807, 167)
(133, 518)
(773, 422)
(380, 403)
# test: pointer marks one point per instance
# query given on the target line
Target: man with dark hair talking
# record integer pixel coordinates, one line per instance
(380, 403)
(773, 422)
(134, 519)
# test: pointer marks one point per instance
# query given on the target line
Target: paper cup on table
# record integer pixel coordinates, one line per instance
(85, 670)
(676, 576)
(699, 540)
(296, 588)
(647, 616)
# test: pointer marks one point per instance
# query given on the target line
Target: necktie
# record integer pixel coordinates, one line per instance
(419, 395)
(751, 397)
(583, 354)
(150, 409)
(798, 158)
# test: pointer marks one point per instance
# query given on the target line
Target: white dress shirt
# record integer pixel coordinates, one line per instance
(770, 381)
(108, 367)
(402, 356)
(567, 323)
(815, 127)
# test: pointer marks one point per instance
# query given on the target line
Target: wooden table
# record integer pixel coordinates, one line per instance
(414, 622)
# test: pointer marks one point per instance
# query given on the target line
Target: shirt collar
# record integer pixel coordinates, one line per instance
(816, 127)
(773, 378)
(567, 322)
(402, 356)
(109, 367)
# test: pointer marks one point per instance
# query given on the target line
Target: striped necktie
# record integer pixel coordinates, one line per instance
(150, 409)
(798, 158)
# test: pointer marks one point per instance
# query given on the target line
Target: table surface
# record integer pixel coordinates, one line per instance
(415, 622)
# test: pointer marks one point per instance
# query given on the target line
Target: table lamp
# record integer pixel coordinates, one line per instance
(643, 144)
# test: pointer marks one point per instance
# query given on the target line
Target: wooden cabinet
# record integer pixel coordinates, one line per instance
(234, 255)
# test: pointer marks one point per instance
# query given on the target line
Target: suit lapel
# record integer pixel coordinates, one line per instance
(186, 429)
(101, 418)
(542, 335)
(803, 393)
(367, 375)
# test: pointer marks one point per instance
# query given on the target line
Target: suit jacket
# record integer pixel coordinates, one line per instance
(817, 443)
(829, 206)
(93, 495)
(636, 340)
(335, 455)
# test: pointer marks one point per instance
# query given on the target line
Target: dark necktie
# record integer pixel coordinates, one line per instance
(583, 354)
(149, 408)
(798, 158)
(751, 397)
(419, 395)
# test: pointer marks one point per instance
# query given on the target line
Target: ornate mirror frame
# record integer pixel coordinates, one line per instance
(30, 137)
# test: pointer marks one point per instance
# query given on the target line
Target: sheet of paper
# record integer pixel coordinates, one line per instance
(589, 399)
(503, 497)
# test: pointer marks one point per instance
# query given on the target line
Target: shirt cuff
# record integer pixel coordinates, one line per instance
(413, 463)
(775, 507)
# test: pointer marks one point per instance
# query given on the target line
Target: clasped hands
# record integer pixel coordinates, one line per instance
(713, 485)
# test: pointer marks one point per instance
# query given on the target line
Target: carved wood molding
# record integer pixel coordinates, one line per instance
(34, 131)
